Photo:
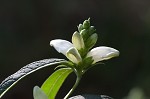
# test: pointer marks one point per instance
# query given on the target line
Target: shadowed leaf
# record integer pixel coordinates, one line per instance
(24, 71)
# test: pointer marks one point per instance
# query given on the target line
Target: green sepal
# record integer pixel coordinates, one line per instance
(69, 64)
(52, 85)
(86, 63)
(91, 41)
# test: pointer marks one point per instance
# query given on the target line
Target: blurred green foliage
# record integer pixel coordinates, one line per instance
(27, 26)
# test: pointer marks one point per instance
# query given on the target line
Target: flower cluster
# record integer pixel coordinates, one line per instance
(79, 52)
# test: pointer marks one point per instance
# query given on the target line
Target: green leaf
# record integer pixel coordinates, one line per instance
(38, 93)
(24, 71)
(52, 85)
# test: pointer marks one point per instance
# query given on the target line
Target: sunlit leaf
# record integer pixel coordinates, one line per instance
(52, 85)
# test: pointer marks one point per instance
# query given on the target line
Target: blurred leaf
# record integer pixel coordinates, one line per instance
(136, 93)
(52, 85)
(38, 93)
(89, 96)
(24, 71)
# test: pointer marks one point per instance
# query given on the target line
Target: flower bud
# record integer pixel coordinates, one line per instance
(80, 27)
(86, 24)
(91, 41)
(92, 29)
(84, 34)
(77, 40)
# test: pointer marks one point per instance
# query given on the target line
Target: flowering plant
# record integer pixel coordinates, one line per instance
(81, 57)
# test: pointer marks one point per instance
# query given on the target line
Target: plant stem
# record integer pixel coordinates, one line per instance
(74, 86)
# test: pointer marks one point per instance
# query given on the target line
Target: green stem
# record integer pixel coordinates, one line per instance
(74, 86)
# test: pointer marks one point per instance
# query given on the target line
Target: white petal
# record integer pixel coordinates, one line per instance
(77, 40)
(61, 46)
(38, 93)
(73, 55)
(102, 53)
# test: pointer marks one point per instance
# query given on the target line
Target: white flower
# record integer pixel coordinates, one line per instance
(66, 48)
(61, 46)
(71, 50)
(102, 53)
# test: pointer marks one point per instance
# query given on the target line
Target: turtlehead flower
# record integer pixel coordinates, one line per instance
(102, 53)
(71, 50)
(79, 52)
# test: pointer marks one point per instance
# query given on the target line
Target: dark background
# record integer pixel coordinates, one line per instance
(27, 26)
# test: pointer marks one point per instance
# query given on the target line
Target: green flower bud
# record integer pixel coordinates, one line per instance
(80, 27)
(92, 29)
(86, 24)
(84, 34)
(91, 41)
